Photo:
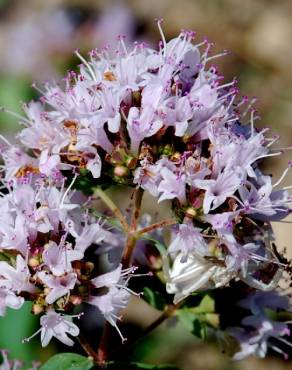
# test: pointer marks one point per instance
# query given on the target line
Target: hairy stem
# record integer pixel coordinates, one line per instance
(98, 192)
(158, 225)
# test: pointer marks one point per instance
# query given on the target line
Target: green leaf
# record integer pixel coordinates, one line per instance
(160, 247)
(192, 323)
(14, 327)
(154, 298)
(207, 305)
(137, 366)
(196, 319)
(70, 361)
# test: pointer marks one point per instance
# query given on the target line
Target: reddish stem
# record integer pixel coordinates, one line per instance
(132, 237)
(87, 348)
(102, 352)
(158, 225)
(137, 209)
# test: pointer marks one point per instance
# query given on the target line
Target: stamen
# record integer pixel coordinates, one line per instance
(267, 155)
(225, 52)
(252, 122)
(287, 187)
(5, 141)
(248, 107)
(159, 21)
(226, 85)
(282, 177)
(120, 333)
(84, 61)
(121, 39)
(26, 340)
(68, 190)
(276, 349)
(284, 341)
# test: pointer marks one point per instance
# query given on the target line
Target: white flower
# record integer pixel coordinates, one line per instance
(117, 296)
(9, 299)
(59, 257)
(16, 278)
(59, 285)
(55, 325)
(188, 239)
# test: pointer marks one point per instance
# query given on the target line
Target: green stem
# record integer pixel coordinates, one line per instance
(98, 192)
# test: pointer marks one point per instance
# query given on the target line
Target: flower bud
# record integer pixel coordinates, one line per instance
(37, 309)
(121, 171)
(190, 212)
(166, 149)
(33, 262)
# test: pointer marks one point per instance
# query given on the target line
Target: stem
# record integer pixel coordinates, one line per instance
(132, 235)
(137, 210)
(164, 223)
(87, 348)
(102, 352)
(112, 206)
(164, 316)
(129, 248)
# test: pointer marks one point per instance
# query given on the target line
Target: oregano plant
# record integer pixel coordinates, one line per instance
(156, 124)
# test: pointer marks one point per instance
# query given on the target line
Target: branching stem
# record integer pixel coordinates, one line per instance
(158, 225)
(132, 235)
(102, 352)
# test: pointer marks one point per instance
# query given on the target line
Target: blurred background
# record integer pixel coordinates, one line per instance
(37, 39)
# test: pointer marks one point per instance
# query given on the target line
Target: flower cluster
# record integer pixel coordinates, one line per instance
(159, 121)
(260, 331)
(15, 364)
